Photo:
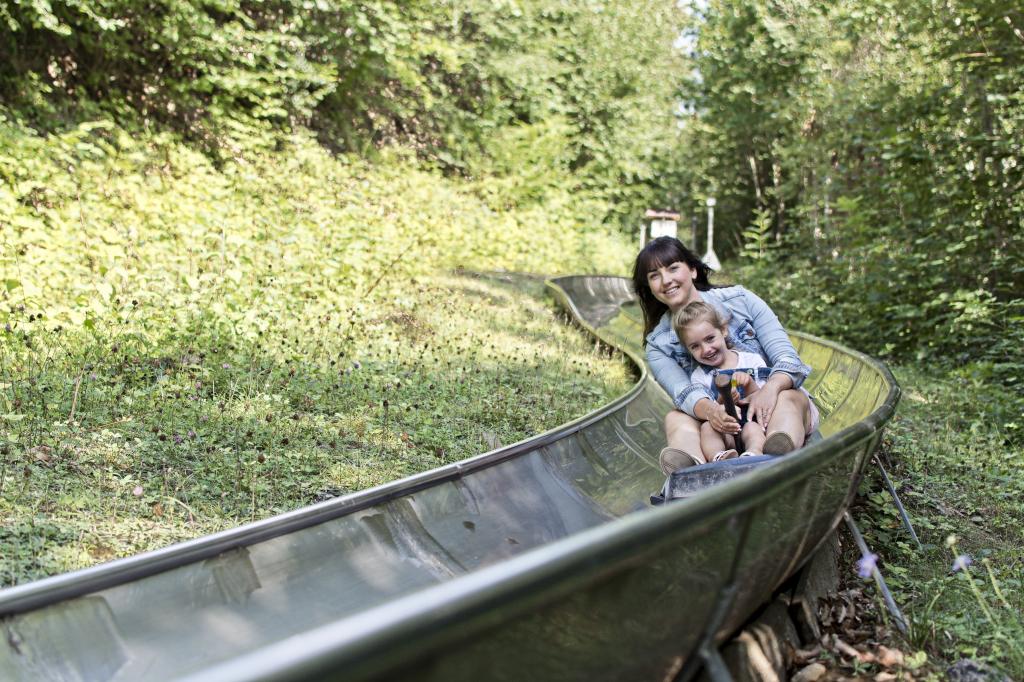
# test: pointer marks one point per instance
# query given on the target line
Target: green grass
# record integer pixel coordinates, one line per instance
(119, 447)
(184, 348)
(959, 475)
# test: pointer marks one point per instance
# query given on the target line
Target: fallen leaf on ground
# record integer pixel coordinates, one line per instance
(890, 658)
(43, 453)
(848, 651)
(813, 672)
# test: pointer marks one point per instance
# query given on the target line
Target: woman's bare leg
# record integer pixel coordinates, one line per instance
(683, 435)
(790, 420)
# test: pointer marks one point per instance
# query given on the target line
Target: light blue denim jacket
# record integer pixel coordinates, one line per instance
(752, 327)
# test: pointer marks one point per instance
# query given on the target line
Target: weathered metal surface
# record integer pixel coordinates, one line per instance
(541, 560)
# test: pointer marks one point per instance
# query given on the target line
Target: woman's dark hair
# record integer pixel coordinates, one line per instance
(660, 253)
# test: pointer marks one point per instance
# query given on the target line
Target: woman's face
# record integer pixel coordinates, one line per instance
(673, 285)
(705, 342)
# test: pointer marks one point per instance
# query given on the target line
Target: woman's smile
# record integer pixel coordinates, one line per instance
(673, 285)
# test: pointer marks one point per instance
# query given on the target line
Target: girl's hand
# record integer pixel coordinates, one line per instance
(749, 386)
(721, 421)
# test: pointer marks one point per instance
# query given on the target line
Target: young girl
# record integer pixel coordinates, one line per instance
(705, 335)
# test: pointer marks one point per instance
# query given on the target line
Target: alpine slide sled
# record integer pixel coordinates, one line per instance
(542, 560)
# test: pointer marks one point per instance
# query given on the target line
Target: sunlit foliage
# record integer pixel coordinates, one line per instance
(587, 85)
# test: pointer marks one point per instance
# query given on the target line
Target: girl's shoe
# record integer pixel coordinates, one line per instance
(724, 455)
(748, 453)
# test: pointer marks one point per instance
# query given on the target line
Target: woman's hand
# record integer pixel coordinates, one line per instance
(761, 404)
(720, 420)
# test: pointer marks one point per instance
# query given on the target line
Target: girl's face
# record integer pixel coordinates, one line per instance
(705, 342)
(673, 285)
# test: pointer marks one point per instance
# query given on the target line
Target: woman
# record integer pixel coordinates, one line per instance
(667, 276)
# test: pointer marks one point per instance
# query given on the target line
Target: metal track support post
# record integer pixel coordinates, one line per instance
(899, 504)
(890, 603)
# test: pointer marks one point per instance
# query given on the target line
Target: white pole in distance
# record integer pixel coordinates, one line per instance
(710, 258)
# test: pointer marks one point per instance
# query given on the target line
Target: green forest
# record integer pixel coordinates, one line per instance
(238, 241)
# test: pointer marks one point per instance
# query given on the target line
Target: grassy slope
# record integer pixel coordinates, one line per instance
(960, 479)
(186, 348)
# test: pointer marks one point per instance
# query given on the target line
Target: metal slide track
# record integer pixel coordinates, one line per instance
(538, 561)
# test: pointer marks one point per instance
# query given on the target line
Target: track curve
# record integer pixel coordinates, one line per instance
(541, 559)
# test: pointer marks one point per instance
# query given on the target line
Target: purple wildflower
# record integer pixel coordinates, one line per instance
(178, 439)
(226, 366)
(866, 565)
(962, 562)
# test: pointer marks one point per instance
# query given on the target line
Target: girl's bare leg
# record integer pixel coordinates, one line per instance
(683, 435)
(789, 422)
(712, 442)
(753, 438)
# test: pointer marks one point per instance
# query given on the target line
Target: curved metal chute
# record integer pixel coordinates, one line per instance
(539, 560)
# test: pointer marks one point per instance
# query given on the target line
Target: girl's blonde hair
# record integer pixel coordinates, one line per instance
(699, 311)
